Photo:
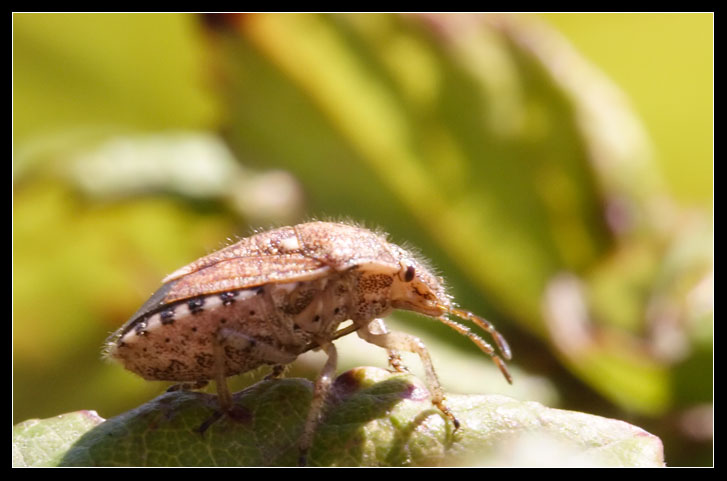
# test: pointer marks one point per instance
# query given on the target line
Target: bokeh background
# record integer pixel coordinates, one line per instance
(556, 168)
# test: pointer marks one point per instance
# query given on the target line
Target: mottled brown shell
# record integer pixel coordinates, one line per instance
(288, 254)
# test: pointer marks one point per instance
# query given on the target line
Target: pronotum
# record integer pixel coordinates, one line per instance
(272, 296)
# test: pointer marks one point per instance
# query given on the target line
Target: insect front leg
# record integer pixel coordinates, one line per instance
(320, 392)
(393, 340)
(377, 326)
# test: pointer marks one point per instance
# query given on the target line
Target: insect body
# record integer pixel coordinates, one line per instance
(272, 296)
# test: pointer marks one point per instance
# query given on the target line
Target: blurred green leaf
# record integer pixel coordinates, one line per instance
(78, 270)
(653, 56)
(44, 442)
(81, 77)
(487, 142)
(374, 419)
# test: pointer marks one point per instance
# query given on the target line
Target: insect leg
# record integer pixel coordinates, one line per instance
(277, 372)
(377, 326)
(237, 340)
(220, 373)
(394, 340)
(320, 391)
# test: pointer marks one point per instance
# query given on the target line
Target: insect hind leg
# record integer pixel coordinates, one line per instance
(320, 392)
(277, 372)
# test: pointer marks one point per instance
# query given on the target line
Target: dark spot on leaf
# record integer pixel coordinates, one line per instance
(240, 414)
(347, 383)
(414, 392)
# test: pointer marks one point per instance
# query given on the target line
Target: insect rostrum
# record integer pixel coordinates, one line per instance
(274, 295)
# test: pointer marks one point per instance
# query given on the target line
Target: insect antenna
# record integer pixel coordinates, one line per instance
(481, 343)
(487, 326)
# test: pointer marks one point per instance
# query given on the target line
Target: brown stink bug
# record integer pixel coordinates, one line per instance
(272, 296)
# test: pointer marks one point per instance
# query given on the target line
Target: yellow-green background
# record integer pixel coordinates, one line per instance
(665, 64)
(460, 143)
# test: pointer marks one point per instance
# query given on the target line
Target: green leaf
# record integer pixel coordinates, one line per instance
(374, 418)
(44, 442)
(80, 77)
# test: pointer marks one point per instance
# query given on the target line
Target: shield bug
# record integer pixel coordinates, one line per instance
(272, 296)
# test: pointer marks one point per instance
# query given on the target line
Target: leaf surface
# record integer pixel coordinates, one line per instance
(375, 418)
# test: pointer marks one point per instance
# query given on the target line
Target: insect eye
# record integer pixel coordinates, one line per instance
(409, 273)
